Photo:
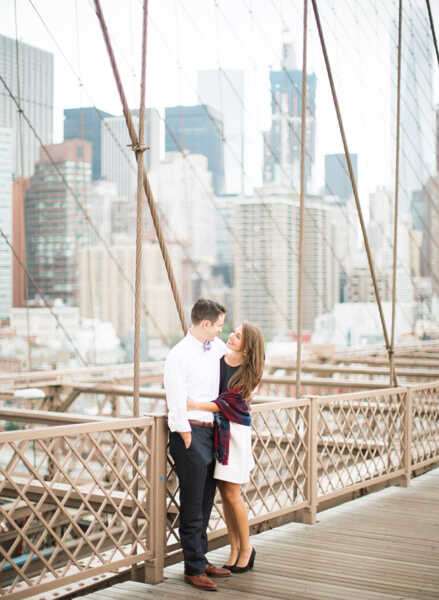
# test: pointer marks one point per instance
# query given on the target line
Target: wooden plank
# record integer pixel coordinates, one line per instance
(384, 546)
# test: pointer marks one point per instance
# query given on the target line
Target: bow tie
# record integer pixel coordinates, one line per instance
(207, 345)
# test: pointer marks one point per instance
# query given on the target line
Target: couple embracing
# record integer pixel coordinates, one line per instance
(208, 391)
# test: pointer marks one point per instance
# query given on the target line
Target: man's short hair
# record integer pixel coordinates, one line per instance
(208, 310)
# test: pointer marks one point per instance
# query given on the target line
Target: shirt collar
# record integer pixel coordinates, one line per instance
(193, 340)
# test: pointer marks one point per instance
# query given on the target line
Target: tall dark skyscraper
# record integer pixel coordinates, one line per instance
(200, 130)
(54, 223)
(337, 180)
(85, 124)
(282, 141)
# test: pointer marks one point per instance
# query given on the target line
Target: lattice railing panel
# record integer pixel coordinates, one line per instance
(425, 424)
(280, 435)
(360, 438)
(278, 481)
(80, 497)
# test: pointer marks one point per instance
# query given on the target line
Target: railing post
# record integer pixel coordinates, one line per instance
(310, 513)
(153, 569)
(408, 432)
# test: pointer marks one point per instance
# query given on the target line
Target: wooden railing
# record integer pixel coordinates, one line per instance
(97, 497)
(79, 500)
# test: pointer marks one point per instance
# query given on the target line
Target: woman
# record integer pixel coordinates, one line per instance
(240, 372)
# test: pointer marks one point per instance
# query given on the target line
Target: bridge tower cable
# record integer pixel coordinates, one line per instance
(354, 183)
(146, 184)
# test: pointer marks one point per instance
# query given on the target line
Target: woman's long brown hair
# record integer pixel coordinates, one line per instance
(249, 374)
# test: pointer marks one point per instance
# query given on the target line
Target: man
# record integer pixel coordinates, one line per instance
(192, 371)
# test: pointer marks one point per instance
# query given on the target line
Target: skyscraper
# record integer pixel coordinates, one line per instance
(200, 130)
(118, 161)
(85, 124)
(417, 149)
(282, 142)
(35, 69)
(181, 196)
(6, 160)
(55, 224)
(266, 265)
(337, 180)
(224, 91)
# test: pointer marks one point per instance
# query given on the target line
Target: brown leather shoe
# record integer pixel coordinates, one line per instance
(201, 582)
(213, 571)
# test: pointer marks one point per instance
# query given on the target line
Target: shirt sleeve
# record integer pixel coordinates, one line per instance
(176, 394)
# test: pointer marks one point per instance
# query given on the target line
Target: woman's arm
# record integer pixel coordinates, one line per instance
(207, 406)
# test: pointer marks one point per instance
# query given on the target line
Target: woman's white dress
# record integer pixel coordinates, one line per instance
(240, 456)
(240, 461)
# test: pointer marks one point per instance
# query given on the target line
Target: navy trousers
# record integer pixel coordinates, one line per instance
(194, 467)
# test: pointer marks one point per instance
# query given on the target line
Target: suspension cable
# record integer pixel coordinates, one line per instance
(393, 378)
(301, 257)
(20, 128)
(139, 150)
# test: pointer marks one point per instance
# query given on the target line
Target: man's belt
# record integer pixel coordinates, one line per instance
(195, 423)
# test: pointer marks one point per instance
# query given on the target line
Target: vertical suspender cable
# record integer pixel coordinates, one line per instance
(352, 178)
(146, 185)
(393, 378)
(139, 150)
(22, 186)
(300, 254)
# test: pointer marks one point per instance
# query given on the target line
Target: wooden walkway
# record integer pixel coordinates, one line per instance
(384, 546)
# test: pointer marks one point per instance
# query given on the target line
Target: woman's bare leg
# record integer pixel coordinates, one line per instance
(231, 494)
(231, 527)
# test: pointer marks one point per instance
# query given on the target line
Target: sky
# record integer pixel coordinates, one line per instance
(191, 35)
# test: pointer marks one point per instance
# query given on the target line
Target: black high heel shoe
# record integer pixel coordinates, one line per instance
(249, 565)
(230, 567)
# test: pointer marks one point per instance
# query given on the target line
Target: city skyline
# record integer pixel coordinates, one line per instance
(179, 57)
(189, 128)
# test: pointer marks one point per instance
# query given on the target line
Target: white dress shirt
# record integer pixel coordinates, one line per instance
(191, 372)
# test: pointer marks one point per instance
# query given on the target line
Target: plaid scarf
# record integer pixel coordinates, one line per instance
(233, 408)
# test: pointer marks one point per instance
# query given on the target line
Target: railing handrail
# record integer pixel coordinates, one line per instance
(44, 433)
(363, 395)
(266, 403)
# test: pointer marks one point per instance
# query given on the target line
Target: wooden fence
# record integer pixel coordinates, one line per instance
(89, 498)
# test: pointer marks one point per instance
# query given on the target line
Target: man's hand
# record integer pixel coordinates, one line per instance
(191, 405)
(186, 436)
